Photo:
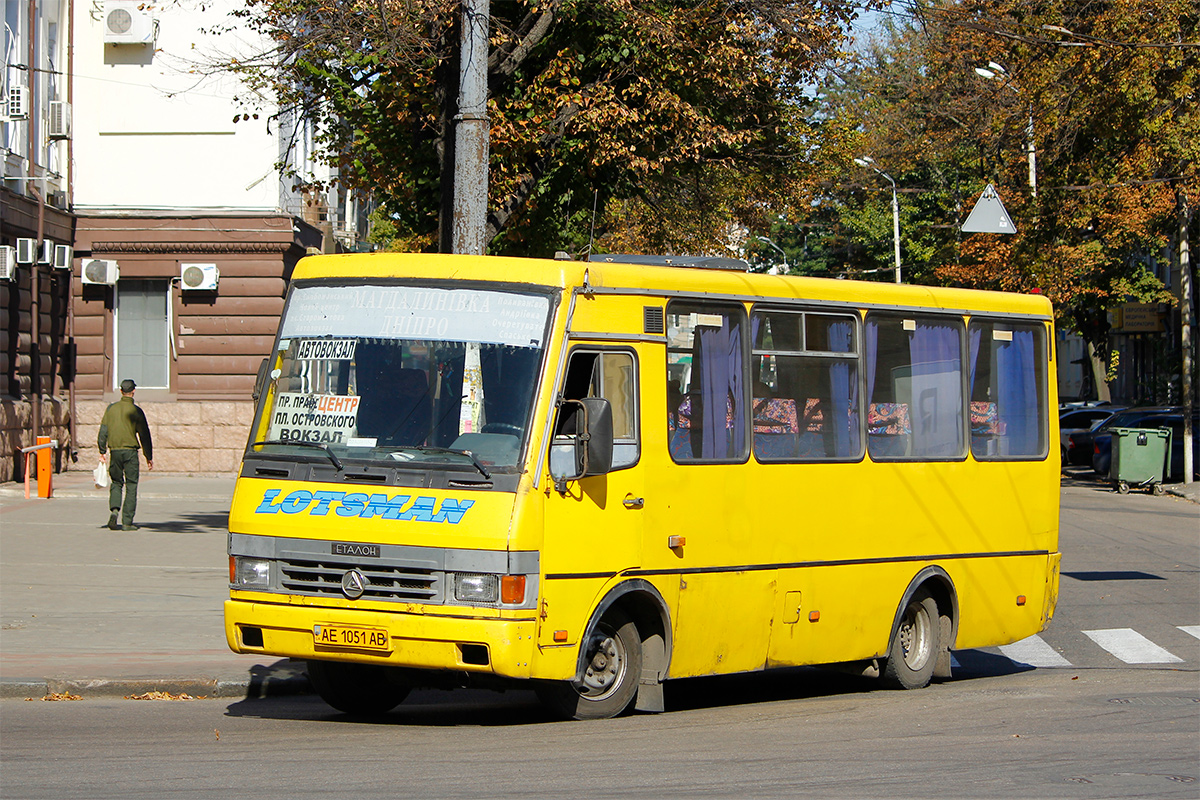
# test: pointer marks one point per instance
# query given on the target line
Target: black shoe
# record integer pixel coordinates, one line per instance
(113, 525)
(129, 527)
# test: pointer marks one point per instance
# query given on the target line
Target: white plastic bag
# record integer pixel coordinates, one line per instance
(100, 473)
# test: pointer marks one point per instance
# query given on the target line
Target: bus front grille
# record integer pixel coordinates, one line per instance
(383, 582)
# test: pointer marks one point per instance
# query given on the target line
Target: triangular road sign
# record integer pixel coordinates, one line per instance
(988, 215)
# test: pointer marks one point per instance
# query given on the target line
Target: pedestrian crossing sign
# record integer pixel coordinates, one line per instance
(988, 215)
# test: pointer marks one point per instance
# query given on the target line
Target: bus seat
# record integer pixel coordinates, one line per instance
(776, 432)
(987, 431)
(888, 429)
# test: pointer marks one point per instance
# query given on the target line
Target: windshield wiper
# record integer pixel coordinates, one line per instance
(482, 470)
(324, 448)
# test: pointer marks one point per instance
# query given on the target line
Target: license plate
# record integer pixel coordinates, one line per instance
(355, 638)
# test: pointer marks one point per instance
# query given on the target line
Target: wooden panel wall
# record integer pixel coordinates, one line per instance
(221, 337)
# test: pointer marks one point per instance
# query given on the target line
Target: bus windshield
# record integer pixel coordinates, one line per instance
(404, 375)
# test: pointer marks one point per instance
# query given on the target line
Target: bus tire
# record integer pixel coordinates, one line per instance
(914, 648)
(360, 689)
(612, 672)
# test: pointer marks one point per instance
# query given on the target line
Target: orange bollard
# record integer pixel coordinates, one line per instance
(45, 468)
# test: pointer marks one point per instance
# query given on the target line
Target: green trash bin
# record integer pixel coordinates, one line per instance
(1138, 458)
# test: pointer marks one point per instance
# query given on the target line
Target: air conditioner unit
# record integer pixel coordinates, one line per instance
(128, 23)
(58, 120)
(8, 263)
(62, 256)
(18, 102)
(199, 277)
(26, 251)
(100, 271)
(46, 255)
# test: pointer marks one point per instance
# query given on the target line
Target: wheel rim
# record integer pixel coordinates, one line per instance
(916, 636)
(606, 664)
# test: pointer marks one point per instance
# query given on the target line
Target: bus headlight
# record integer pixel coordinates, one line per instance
(476, 588)
(251, 572)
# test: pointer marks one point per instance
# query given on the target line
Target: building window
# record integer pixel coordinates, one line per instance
(142, 333)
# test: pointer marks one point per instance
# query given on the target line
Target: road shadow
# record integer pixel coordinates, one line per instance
(1087, 478)
(440, 708)
(197, 522)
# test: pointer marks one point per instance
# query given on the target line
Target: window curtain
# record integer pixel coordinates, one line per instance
(937, 407)
(844, 390)
(1017, 400)
(721, 381)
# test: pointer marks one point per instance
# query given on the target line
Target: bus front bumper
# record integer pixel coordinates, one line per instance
(420, 641)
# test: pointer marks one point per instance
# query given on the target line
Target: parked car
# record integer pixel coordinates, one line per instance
(1172, 419)
(1074, 420)
(1080, 446)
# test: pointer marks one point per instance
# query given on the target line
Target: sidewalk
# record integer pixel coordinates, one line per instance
(95, 612)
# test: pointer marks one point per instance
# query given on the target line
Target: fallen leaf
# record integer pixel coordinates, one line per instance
(161, 696)
(61, 696)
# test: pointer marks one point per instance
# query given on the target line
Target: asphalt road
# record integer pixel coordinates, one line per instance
(1106, 703)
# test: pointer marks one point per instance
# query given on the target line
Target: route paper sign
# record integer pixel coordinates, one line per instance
(333, 349)
(989, 215)
(318, 418)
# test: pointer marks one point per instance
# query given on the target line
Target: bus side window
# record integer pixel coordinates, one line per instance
(613, 376)
(914, 387)
(805, 388)
(707, 378)
(1008, 390)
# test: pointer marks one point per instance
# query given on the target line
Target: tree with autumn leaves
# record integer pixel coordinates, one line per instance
(689, 126)
(626, 112)
(947, 101)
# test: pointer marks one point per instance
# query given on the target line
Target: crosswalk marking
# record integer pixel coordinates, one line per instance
(1194, 630)
(1035, 652)
(1131, 647)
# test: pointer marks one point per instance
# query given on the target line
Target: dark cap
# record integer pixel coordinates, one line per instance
(127, 386)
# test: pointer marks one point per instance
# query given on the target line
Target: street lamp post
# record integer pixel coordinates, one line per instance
(774, 270)
(996, 72)
(867, 161)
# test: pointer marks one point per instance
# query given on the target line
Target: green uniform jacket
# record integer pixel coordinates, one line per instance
(123, 427)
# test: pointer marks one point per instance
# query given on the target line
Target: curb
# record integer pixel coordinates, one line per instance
(257, 687)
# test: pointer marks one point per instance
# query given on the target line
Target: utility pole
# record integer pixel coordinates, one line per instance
(471, 132)
(1185, 335)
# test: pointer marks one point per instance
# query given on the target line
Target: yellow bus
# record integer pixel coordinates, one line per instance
(588, 478)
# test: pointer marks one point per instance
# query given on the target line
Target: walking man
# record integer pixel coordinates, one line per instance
(123, 430)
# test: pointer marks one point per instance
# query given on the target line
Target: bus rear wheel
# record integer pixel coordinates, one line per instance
(612, 671)
(913, 651)
(356, 688)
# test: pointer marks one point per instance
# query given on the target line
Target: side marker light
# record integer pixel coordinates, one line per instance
(560, 636)
(814, 616)
(1020, 599)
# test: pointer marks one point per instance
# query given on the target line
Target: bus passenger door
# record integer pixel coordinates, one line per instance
(593, 526)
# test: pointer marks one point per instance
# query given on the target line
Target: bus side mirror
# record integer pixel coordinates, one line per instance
(589, 424)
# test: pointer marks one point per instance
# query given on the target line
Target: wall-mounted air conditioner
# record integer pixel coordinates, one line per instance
(100, 271)
(128, 23)
(8, 263)
(26, 251)
(62, 256)
(199, 277)
(17, 103)
(58, 120)
(46, 253)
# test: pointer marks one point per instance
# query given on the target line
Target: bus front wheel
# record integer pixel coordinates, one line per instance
(913, 652)
(356, 688)
(612, 670)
